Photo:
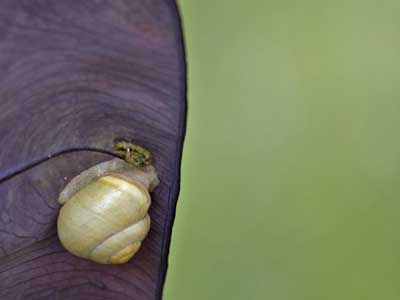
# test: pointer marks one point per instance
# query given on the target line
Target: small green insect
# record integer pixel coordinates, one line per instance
(132, 153)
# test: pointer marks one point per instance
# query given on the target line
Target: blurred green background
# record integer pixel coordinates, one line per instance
(291, 170)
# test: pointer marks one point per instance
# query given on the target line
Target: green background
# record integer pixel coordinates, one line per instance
(290, 183)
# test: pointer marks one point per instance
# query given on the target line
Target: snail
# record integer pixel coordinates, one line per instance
(104, 214)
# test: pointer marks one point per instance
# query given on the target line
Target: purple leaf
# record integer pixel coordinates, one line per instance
(75, 75)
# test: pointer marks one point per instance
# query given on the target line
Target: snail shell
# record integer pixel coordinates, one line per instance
(104, 216)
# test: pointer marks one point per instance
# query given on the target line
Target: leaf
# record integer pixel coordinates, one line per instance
(78, 74)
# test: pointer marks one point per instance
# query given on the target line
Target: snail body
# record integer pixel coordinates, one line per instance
(104, 216)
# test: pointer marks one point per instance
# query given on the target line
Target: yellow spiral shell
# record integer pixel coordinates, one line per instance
(106, 219)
